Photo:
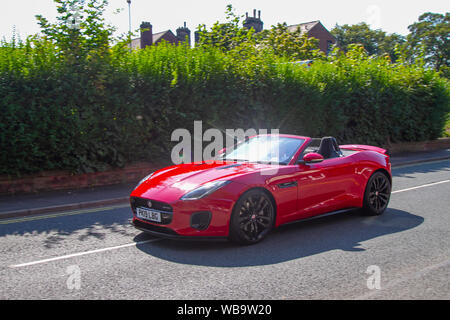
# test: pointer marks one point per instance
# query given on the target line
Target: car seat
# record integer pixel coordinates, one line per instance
(329, 148)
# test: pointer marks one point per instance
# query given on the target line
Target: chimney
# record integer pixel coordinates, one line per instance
(254, 22)
(146, 34)
(196, 37)
(183, 33)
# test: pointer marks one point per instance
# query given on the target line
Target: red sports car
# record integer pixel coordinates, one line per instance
(250, 192)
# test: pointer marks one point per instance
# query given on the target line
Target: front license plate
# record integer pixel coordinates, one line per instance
(147, 214)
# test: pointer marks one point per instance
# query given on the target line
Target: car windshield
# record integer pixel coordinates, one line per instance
(270, 149)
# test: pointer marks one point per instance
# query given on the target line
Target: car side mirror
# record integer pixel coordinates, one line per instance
(311, 158)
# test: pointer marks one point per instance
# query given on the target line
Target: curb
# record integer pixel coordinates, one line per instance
(125, 200)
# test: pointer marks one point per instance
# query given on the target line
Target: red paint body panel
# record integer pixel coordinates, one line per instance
(314, 189)
(361, 147)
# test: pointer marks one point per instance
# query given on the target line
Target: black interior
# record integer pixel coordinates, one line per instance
(329, 148)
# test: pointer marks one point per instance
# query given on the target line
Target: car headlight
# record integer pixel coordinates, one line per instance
(144, 179)
(204, 190)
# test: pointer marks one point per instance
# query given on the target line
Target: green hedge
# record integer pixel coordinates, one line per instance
(112, 110)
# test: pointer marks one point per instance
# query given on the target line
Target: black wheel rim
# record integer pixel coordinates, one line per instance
(379, 193)
(255, 217)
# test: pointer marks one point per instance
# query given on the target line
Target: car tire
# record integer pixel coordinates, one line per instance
(252, 219)
(377, 194)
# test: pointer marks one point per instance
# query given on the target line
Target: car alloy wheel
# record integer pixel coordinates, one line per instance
(253, 218)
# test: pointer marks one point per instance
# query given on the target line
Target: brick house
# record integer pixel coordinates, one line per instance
(312, 29)
(317, 30)
(148, 38)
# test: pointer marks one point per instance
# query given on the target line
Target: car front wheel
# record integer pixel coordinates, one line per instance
(252, 218)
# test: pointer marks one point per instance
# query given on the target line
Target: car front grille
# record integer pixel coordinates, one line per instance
(165, 209)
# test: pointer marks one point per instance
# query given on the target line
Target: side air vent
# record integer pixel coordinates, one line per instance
(201, 220)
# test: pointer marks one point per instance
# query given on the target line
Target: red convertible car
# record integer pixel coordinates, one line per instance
(249, 192)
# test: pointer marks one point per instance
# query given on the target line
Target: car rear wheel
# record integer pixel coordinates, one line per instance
(377, 194)
(252, 218)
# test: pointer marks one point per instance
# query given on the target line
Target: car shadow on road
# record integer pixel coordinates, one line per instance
(343, 231)
(79, 227)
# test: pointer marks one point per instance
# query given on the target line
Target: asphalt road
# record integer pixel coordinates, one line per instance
(95, 254)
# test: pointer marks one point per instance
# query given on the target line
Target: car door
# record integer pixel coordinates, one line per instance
(325, 186)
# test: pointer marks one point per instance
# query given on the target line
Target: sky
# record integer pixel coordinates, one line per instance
(388, 15)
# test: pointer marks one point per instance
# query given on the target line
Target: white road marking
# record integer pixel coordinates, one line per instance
(422, 186)
(154, 240)
(79, 254)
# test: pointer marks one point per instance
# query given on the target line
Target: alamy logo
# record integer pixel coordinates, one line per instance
(374, 16)
(374, 280)
(74, 280)
(190, 147)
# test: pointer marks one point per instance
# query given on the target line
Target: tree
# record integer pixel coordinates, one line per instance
(429, 39)
(225, 36)
(292, 45)
(232, 35)
(391, 45)
(80, 31)
(375, 42)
